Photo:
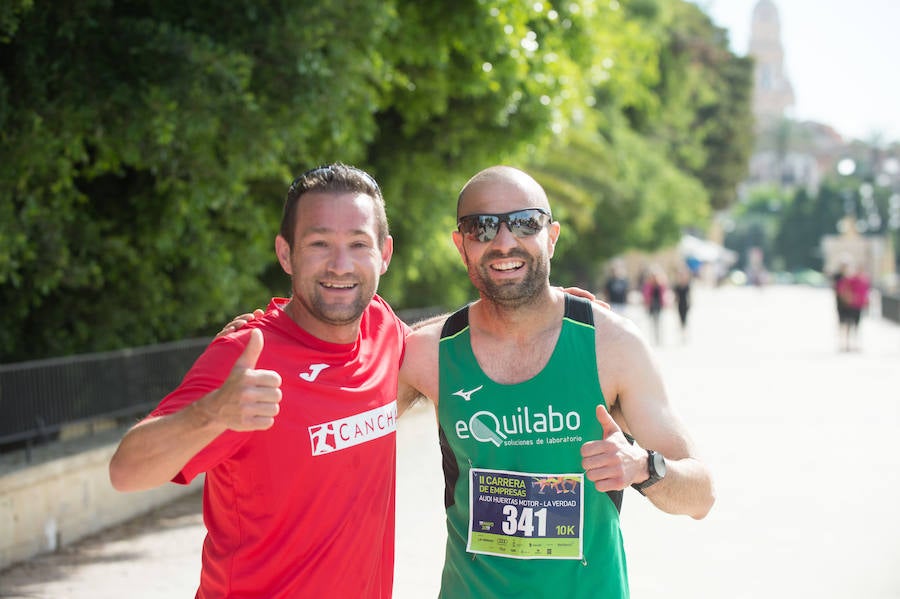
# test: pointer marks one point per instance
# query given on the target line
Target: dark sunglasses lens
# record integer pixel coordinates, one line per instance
(482, 227)
(525, 222)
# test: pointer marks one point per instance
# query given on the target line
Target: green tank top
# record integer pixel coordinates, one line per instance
(522, 520)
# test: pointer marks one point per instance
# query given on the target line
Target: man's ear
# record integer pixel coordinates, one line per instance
(553, 232)
(386, 252)
(283, 251)
(458, 242)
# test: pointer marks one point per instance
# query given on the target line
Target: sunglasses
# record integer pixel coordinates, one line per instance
(322, 177)
(521, 223)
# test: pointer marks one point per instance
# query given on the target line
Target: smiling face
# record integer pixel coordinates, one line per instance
(506, 270)
(335, 262)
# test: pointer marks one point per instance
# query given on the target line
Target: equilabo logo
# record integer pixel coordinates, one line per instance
(487, 427)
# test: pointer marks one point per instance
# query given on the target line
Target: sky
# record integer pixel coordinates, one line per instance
(841, 56)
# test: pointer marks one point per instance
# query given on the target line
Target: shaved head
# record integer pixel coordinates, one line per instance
(504, 178)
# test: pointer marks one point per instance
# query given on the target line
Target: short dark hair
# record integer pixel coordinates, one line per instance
(333, 178)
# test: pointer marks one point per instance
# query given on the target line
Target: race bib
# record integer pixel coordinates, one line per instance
(524, 515)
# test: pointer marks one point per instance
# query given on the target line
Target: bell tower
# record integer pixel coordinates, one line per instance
(773, 94)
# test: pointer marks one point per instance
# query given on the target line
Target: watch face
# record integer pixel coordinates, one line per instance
(659, 464)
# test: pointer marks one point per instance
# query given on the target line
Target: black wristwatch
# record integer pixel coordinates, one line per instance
(656, 466)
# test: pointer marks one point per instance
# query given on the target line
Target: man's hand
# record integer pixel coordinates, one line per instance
(157, 448)
(612, 463)
(249, 398)
(579, 292)
(239, 322)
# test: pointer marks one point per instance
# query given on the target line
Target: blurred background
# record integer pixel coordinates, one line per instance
(146, 148)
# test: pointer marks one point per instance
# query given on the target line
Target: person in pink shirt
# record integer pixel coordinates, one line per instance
(852, 290)
(655, 292)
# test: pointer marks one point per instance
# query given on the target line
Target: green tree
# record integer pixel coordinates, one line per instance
(705, 118)
(147, 148)
(613, 195)
(145, 153)
(672, 141)
(756, 221)
(479, 84)
(804, 221)
(808, 218)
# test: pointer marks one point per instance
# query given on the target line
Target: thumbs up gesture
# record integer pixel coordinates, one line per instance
(611, 463)
(249, 398)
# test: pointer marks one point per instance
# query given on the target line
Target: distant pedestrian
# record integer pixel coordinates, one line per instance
(682, 289)
(852, 294)
(654, 292)
(616, 287)
(839, 303)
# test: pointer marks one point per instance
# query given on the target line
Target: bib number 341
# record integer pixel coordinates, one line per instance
(525, 522)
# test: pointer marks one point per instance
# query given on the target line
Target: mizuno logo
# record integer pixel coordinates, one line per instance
(313, 373)
(467, 395)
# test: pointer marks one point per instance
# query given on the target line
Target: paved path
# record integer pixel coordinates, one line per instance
(801, 439)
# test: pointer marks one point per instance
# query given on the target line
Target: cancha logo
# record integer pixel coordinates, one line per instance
(353, 430)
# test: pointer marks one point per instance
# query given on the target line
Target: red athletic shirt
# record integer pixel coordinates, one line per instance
(306, 508)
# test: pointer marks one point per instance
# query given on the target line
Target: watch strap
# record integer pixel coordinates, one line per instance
(651, 470)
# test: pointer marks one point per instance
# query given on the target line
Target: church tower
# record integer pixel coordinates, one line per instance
(773, 94)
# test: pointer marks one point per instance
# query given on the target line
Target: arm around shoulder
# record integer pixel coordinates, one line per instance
(419, 371)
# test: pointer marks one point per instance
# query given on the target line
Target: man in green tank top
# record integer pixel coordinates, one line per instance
(548, 406)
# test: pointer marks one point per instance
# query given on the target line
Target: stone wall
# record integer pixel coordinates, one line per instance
(59, 500)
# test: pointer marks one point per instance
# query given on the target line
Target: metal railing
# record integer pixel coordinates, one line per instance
(890, 306)
(39, 398)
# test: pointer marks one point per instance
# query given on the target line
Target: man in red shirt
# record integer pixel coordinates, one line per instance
(293, 417)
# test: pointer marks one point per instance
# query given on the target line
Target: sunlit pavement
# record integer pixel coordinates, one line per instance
(800, 436)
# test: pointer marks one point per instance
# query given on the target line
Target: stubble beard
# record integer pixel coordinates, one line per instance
(338, 314)
(511, 294)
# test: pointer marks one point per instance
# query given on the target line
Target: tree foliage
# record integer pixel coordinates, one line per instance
(672, 141)
(615, 194)
(755, 223)
(706, 122)
(808, 218)
(145, 155)
(146, 147)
